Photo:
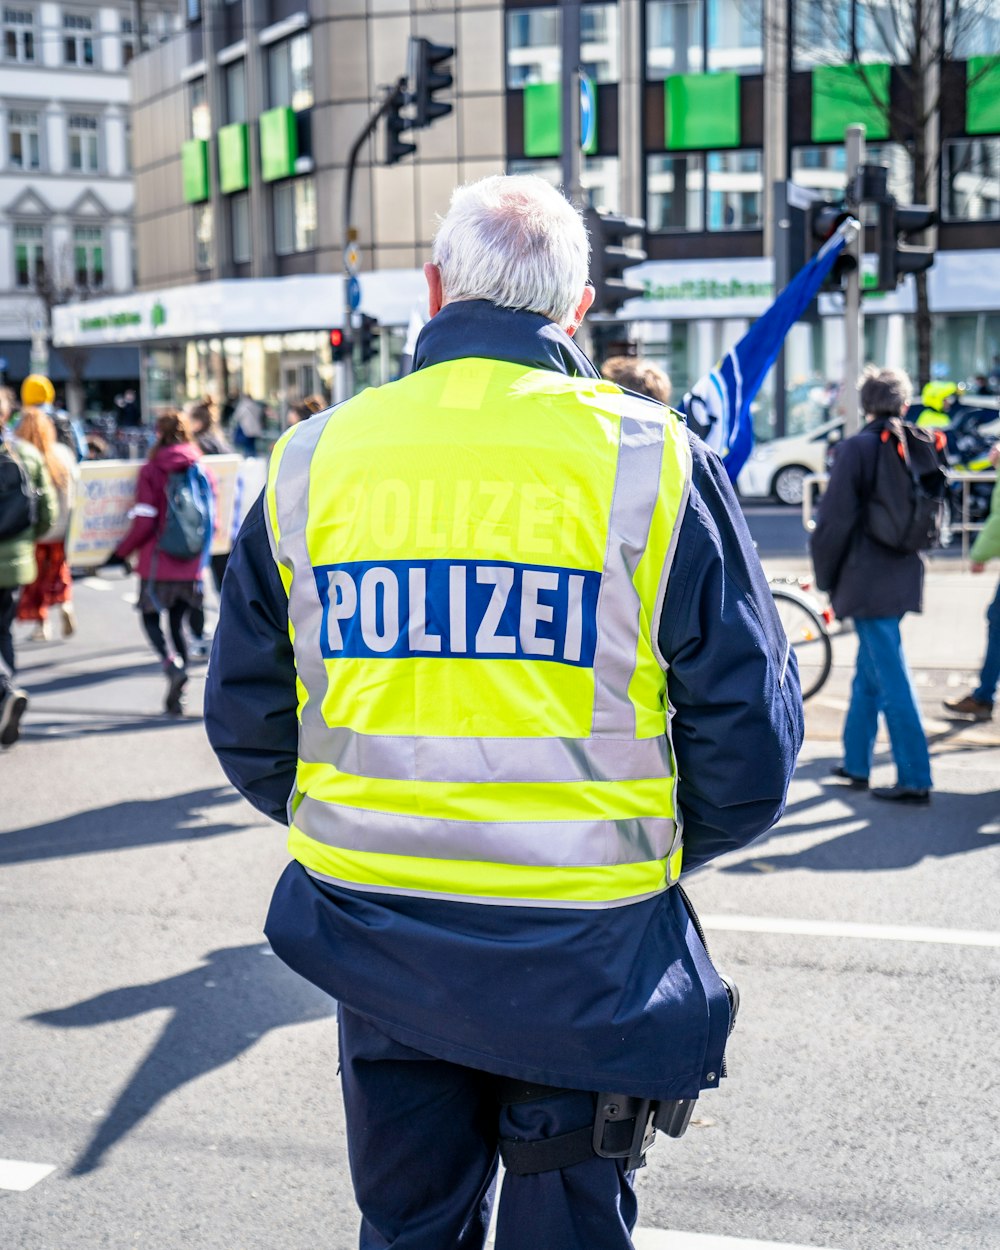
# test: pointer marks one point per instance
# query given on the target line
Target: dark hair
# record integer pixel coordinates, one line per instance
(635, 374)
(171, 429)
(884, 392)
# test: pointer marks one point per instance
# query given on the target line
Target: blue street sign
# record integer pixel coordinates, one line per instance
(588, 113)
(353, 293)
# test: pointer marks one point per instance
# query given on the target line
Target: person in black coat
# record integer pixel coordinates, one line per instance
(876, 586)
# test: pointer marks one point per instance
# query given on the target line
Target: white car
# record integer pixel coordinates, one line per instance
(780, 467)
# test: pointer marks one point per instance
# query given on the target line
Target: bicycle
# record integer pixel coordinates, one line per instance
(806, 628)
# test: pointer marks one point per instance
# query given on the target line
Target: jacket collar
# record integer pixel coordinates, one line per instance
(478, 328)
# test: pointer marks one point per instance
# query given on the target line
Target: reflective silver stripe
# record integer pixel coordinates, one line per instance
(549, 844)
(636, 489)
(680, 435)
(486, 900)
(485, 759)
(291, 493)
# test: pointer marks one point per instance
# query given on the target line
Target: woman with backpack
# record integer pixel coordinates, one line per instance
(27, 506)
(54, 584)
(171, 542)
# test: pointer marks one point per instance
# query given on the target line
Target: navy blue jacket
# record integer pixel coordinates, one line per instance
(622, 998)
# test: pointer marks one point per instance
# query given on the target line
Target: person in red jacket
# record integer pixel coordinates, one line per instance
(166, 584)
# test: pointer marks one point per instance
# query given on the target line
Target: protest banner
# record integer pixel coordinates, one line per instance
(104, 498)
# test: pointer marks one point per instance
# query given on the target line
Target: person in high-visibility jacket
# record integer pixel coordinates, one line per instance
(938, 398)
(495, 644)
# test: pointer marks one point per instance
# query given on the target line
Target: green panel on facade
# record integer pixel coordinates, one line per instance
(850, 95)
(982, 95)
(702, 111)
(194, 168)
(234, 158)
(279, 144)
(543, 120)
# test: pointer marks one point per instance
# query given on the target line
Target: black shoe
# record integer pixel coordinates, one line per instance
(902, 794)
(12, 708)
(855, 783)
(177, 679)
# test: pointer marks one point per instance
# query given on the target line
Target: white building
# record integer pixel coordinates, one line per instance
(66, 188)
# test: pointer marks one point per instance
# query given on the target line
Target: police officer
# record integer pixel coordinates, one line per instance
(496, 646)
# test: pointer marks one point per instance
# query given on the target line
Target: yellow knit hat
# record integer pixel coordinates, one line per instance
(37, 389)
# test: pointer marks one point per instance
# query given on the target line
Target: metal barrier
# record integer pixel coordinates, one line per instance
(813, 484)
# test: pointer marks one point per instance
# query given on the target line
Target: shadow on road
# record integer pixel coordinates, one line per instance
(140, 822)
(220, 1009)
(891, 835)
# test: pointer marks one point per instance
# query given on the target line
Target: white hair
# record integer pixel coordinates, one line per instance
(516, 241)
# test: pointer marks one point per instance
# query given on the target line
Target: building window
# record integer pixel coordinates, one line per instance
(239, 206)
(974, 30)
(131, 44)
(78, 41)
(599, 178)
(294, 216)
(201, 114)
(971, 173)
(235, 78)
(735, 190)
(862, 31)
(675, 192)
(824, 169)
(692, 36)
(204, 238)
(290, 73)
(29, 254)
(18, 35)
(24, 144)
(83, 134)
(88, 257)
(533, 44)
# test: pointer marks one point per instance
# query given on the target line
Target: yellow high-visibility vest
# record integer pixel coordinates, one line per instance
(475, 559)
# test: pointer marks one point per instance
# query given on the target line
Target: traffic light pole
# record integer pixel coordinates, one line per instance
(854, 320)
(350, 233)
(571, 154)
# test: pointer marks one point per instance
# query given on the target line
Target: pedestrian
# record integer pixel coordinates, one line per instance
(25, 486)
(54, 584)
(530, 640)
(876, 586)
(248, 425)
(167, 584)
(979, 704)
(632, 373)
(211, 440)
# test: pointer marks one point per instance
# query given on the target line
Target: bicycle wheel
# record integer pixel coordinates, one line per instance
(807, 635)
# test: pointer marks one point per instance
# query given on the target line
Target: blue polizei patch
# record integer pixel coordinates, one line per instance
(474, 609)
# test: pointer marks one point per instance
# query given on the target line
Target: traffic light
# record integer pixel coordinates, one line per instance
(609, 257)
(367, 338)
(824, 218)
(395, 123)
(337, 346)
(426, 75)
(896, 257)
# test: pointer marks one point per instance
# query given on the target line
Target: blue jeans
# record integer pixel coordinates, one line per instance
(989, 678)
(882, 684)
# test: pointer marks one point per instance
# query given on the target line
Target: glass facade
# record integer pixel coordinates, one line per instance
(700, 191)
(290, 73)
(294, 216)
(235, 78)
(533, 49)
(598, 178)
(824, 168)
(830, 32)
(971, 180)
(692, 36)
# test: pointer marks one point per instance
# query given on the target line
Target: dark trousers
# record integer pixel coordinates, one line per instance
(9, 596)
(422, 1138)
(154, 631)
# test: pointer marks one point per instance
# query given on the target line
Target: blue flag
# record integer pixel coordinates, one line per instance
(718, 407)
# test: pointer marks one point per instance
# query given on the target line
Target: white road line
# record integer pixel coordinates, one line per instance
(839, 928)
(21, 1176)
(92, 583)
(663, 1239)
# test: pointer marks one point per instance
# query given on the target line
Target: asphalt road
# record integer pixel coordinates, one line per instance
(180, 1083)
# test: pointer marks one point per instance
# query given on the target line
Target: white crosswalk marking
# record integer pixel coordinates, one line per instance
(664, 1239)
(17, 1175)
(845, 929)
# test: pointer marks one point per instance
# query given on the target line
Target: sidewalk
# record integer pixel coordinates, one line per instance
(944, 648)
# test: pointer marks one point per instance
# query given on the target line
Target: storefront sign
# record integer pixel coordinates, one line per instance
(104, 498)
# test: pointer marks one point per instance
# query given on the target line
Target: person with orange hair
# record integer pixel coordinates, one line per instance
(54, 583)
